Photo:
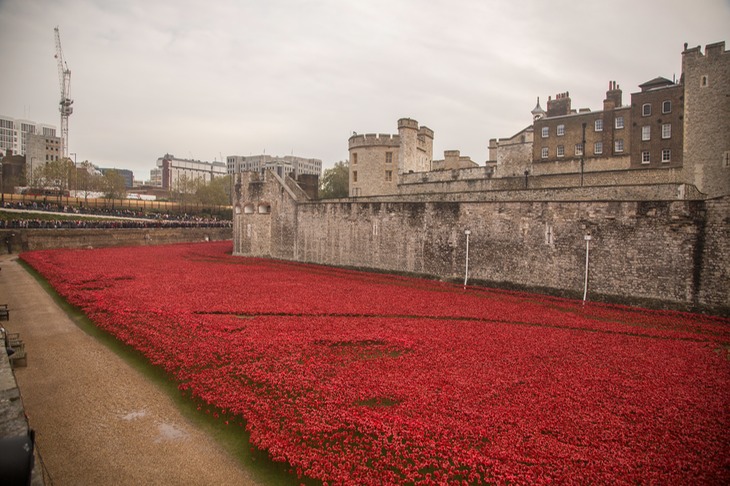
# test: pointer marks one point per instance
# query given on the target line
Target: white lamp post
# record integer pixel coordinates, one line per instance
(585, 285)
(466, 270)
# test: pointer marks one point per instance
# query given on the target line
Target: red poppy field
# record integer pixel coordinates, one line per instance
(364, 378)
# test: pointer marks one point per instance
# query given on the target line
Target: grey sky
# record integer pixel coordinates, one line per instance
(238, 77)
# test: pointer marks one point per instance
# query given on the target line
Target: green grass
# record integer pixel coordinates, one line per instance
(233, 438)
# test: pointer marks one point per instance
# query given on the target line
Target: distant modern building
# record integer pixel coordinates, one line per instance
(286, 165)
(155, 177)
(15, 133)
(171, 172)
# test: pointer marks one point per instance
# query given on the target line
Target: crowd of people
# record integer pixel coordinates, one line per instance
(111, 224)
(133, 218)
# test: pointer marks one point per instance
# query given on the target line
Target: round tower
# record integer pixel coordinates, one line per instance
(373, 164)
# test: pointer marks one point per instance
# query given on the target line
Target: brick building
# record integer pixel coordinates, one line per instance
(657, 114)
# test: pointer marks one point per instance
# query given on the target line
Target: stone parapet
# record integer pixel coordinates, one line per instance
(374, 140)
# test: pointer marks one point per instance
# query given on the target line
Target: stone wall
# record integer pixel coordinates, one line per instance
(670, 253)
(13, 421)
(641, 192)
(468, 184)
(42, 239)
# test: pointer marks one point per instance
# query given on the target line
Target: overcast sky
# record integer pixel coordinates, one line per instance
(207, 79)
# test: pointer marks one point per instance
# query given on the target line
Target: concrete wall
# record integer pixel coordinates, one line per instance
(660, 253)
(42, 239)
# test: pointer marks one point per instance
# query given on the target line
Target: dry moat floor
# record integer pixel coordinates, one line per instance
(97, 419)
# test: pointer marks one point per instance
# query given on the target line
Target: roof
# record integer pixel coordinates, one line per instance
(658, 82)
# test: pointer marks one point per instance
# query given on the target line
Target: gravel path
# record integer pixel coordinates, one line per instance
(99, 421)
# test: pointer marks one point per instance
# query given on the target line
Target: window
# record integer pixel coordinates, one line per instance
(561, 151)
(388, 176)
(545, 132)
(561, 130)
(646, 133)
(388, 157)
(646, 109)
(545, 152)
(264, 208)
(667, 106)
(618, 145)
(704, 82)
(619, 122)
(667, 130)
(354, 176)
(598, 148)
(666, 155)
(645, 157)
(548, 234)
(578, 149)
(598, 125)
(354, 158)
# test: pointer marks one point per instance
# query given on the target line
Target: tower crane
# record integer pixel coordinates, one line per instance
(64, 78)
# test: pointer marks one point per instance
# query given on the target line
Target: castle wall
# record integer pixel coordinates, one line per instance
(513, 156)
(662, 252)
(640, 251)
(639, 192)
(44, 239)
(255, 231)
(445, 183)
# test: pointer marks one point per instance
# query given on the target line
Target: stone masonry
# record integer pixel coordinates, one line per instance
(660, 253)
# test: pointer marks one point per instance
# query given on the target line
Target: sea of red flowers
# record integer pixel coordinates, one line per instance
(363, 378)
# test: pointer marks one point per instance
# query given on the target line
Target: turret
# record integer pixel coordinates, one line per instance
(538, 112)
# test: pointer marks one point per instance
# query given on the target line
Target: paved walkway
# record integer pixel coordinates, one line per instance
(99, 421)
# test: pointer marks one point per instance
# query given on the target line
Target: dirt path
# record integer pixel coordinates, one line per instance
(98, 421)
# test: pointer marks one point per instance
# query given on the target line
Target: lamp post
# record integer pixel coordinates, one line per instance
(30, 182)
(587, 238)
(582, 153)
(76, 173)
(466, 270)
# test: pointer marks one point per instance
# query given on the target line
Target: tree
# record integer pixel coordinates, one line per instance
(55, 174)
(113, 185)
(216, 192)
(336, 181)
(88, 179)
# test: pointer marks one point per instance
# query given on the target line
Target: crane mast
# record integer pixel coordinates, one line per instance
(64, 78)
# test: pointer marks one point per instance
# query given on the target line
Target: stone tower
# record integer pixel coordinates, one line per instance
(706, 79)
(416, 147)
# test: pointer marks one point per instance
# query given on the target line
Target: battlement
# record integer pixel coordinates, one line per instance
(714, 50)
(374, 140)
(407, 123)
(424, 131)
